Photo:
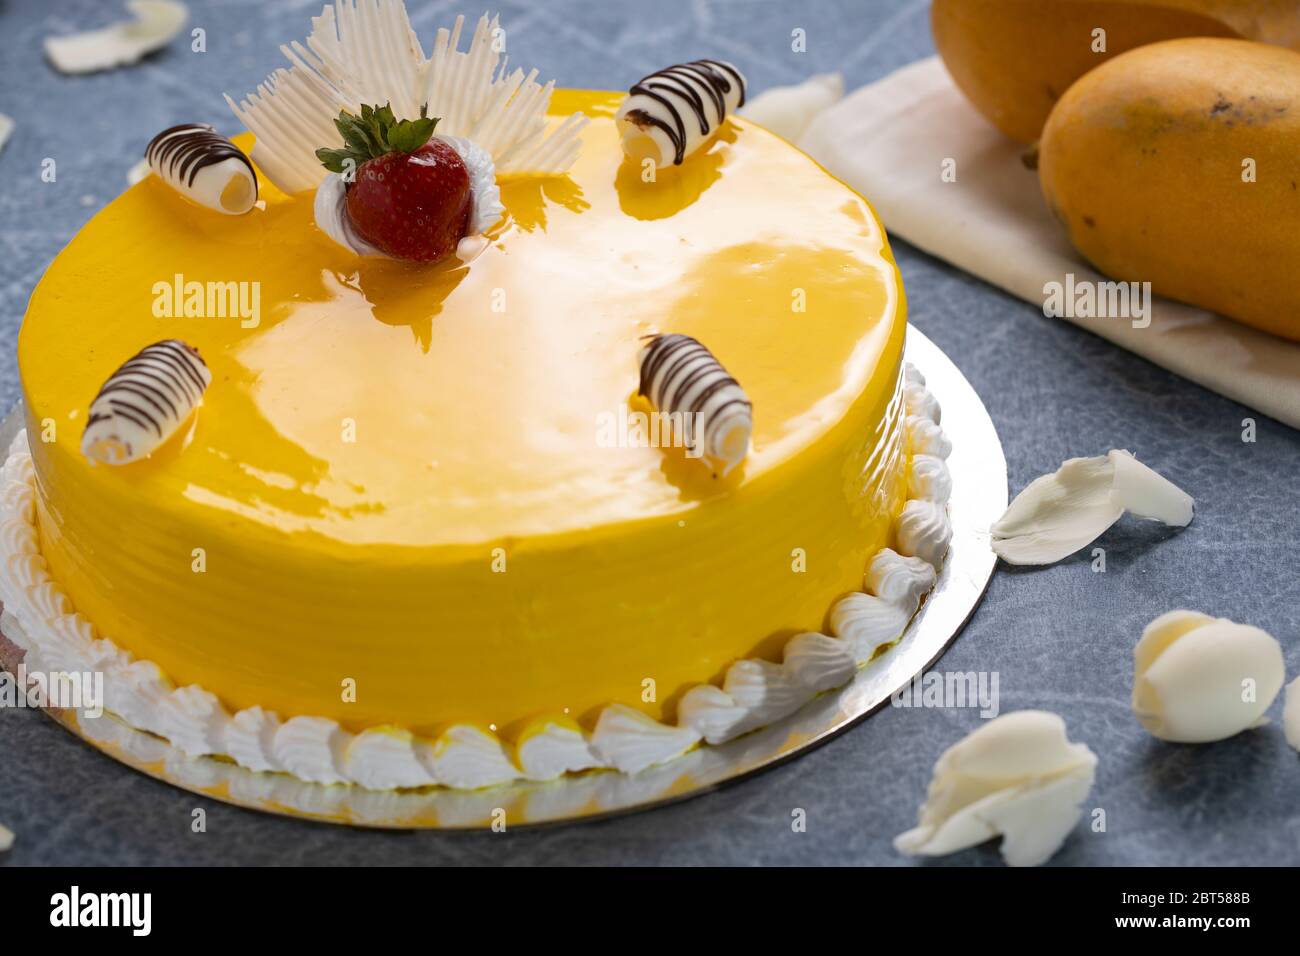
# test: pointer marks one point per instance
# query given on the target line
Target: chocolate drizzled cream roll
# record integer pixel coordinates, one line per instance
(681, 377)
(670, 114)
(145, 402)
(204, 167)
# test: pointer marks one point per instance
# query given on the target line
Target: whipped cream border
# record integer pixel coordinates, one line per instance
(39, 618)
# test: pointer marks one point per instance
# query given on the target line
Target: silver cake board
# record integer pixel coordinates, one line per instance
(979, 498)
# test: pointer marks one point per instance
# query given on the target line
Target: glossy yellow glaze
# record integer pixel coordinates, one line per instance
(387, 435)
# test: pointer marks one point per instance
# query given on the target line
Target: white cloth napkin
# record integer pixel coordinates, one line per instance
(889, 141)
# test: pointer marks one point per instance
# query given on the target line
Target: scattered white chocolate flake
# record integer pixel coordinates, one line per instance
(6, 838)
(144, 402)
(1018, 777)
(710, 413)
(368, 53)
(6, 129)
(155, 24)
(204, 167)
(1198, 679)
(1291, 714)
(788, 110)
(1058, 514)
(670, 114)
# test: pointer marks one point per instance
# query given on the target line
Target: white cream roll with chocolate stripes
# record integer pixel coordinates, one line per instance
(204, 167)
(710, 410)
(670, 114)
(145, 402)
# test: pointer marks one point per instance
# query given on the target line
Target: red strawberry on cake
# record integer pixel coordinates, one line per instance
(407, 194)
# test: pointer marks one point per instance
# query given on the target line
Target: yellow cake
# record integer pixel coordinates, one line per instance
(399, 505)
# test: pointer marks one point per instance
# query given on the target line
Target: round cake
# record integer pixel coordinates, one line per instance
(418, 503)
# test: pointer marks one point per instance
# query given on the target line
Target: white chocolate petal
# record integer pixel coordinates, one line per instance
(787, 110)
(632, 741)
(1199, 680)
(1017, 776)
(155, 24)
(1150, 495)
(6, 129)
(1057, 514)
(6, 838)
(1291, 714)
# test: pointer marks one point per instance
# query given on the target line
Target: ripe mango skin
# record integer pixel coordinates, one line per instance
(1144, 159)
(1013, 58)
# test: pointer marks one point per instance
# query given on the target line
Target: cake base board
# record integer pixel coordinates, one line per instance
(979, 498)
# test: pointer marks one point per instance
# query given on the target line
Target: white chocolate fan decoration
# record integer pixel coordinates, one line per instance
(670, 114)
(204, 167)
(145, 402)
(365, 51)
(1057, 514)
(1197, 679)
(709, 411)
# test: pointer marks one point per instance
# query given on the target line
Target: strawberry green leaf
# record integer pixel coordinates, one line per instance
(375, 132)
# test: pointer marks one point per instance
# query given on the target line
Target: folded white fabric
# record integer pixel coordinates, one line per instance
(893, 140)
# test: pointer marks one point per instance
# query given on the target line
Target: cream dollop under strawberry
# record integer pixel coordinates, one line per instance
(408, 196)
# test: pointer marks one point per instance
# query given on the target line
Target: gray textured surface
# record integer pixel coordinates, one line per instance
(1061, 638)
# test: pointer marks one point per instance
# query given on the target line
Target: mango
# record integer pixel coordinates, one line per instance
(1014, 58)
(1178, 163)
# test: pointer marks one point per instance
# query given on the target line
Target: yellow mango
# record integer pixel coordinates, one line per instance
(1014, 58)
(1179, 164)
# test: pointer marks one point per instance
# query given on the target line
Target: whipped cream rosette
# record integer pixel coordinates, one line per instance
(364, 56)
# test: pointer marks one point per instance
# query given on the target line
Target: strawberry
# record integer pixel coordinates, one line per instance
(409, 196)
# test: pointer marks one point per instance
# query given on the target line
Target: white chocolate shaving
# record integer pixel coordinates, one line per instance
(155, 24)
(709, 412)
(1018, 777)
(670, 114)
(204, 167)
(1199, 679)
(1057, 514)
(1291, 714)
(6, 129)
(6, 838)
(145, 402)
(365, 51)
